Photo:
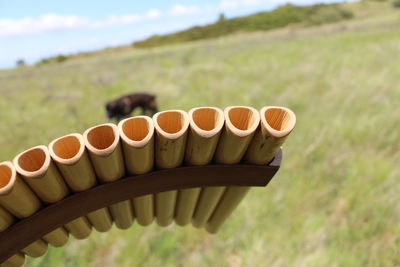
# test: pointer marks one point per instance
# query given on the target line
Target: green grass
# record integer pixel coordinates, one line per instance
(335, 202)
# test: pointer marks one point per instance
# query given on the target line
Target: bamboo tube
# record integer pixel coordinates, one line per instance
(171, 128)
(36, 249)
(207, 202)
(231, 198)
(205, 128)
(21, 202)
(144, 209)
(15, 195)
(71, 158)
(40, 173)
(15, 261)
(276, 124)
(102, 142)
(37, 169)
(122, 214)
(6, 219)
(80, 228)
(57, 238)
(137, 136)
(100, 219)
(240, 124)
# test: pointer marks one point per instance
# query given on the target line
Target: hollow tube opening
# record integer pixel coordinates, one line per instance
(171, 122)
(101, 137)
(241, 117)
(136, 129)
(205, 118)
(5, 175)
(32, 160)
(279, 119)
(67, 147)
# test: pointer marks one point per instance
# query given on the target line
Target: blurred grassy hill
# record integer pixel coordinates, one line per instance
(335, 202)
(286, 16)
(280, 17)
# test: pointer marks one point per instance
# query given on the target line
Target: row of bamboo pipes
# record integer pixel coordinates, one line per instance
(46, 174)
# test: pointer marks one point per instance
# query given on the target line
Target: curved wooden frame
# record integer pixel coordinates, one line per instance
(55, 215)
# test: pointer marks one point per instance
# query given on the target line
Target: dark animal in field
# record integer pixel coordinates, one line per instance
(125, 105)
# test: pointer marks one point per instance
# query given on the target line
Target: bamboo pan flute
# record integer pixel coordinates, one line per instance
(74, 163)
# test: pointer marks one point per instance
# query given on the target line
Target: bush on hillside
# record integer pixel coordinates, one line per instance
(320, 14)
(56, 59)
(21, 63)
(221, 17)
(61, 58)
(396, 3)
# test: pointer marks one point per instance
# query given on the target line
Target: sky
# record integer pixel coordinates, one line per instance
(32, 30)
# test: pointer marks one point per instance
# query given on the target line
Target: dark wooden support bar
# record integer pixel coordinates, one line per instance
(28, 230)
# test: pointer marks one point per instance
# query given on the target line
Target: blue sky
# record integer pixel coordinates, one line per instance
(31, 30)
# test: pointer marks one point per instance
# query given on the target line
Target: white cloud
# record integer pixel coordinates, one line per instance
(179, 10)
(50, 22)
(255, 2)
(45, 22)
(153, 14)
(229, 4)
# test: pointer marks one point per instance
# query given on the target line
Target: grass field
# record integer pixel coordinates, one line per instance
(336, 200)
